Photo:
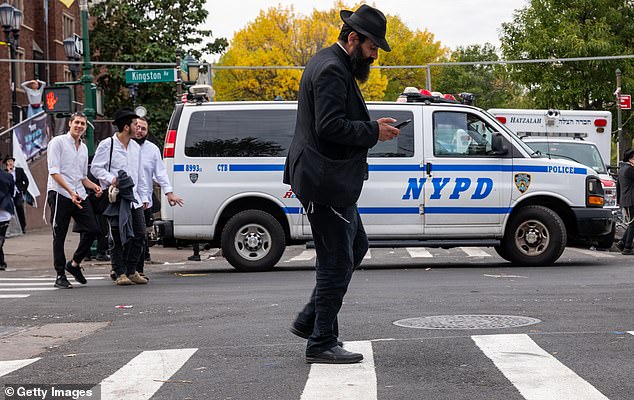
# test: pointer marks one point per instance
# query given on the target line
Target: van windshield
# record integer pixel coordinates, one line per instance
(583, 153)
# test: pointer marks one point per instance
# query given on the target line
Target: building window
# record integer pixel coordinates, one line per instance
(68, 76)
(68, 26)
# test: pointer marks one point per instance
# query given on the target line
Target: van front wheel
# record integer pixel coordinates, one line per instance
(253, 240)
(535, 236)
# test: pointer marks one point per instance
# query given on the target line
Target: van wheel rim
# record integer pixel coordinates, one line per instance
(253, 242)
(532, 238)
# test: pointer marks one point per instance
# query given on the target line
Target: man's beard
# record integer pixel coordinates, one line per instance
(140, 140)
(360, 65)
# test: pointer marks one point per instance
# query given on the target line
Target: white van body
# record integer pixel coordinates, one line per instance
(571, 134)
(454, 177)
(593, 126)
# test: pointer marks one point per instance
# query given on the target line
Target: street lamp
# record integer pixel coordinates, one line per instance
(133, 89)
(11, 21)
(189, 74)
(71, 53)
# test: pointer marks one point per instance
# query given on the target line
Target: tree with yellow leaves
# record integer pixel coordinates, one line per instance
(279, 37)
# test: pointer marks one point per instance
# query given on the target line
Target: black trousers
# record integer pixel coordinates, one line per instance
(3, 233)
(62, 210)
(125, 258)
(340, 244)
(18, 202)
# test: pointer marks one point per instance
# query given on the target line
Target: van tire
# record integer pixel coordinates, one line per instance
(501, 252)
(535, 236)
(253, 240)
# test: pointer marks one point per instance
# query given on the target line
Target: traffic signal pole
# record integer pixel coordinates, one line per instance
(86, 79)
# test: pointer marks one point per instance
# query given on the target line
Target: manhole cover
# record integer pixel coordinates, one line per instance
(466, 322)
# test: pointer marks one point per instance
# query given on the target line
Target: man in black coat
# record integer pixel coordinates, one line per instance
(326, 166)
(626, 200)
(21, 185)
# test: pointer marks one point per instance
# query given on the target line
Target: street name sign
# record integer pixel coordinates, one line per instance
(150, 75)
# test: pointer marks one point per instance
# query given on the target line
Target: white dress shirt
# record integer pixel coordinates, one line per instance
(70, 162)
(122, 159)
(152, 169)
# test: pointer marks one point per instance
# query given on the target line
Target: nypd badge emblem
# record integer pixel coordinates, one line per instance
(193, 177)
(522, 182)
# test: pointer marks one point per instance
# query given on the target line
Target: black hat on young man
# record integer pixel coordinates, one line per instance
(124, 113)
(368, 21)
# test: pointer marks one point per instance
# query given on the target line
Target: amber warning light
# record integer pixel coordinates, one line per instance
(57, 100)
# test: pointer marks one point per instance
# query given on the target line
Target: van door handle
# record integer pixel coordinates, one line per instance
(428, 169)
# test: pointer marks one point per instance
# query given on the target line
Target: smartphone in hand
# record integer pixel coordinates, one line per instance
(400, 125)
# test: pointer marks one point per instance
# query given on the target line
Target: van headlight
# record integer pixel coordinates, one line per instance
(594, 192)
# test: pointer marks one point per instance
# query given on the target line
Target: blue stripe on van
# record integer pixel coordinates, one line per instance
(255, 167)
(415, 210)
(409, 168)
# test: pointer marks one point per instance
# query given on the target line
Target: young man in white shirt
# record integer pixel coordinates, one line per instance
(66, 187)
(125, 156)
(152, 169)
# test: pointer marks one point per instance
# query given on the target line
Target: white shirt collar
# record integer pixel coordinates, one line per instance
(343, 48)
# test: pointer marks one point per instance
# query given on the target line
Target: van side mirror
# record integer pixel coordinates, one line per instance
(498, 147)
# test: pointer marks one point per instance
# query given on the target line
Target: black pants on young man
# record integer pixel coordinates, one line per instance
(62, 210)
(340, 244)
(126, 257)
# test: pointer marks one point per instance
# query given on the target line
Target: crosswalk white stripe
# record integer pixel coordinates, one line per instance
(418, 252)
(143, 375)
(368, 255)
(475, 252)
(631, 332)
(45, 279)
(13, 296)
(25, 289)
(6, 367)
(344, 381)
(305, 256)
(593, 253)
(13, 284)
(534, 372)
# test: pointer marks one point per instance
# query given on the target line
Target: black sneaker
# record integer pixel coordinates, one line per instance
(620, 245)
(3, 267)
(113, 275)
(627, 252)
(62, 283)
(76, 272)
(88, 258)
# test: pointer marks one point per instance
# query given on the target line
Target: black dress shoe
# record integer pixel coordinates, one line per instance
(335, 355)
(304, 335)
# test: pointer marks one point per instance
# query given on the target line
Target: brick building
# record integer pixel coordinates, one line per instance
(45, 25)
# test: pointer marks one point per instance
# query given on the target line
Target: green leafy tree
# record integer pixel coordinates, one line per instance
(151, 31)
(490, 83)
(280, 37)
(567, 29)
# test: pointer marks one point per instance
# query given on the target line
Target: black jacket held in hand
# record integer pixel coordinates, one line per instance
(326, 161)
(120, 210)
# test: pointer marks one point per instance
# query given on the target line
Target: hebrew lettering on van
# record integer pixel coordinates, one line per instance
(453, 189)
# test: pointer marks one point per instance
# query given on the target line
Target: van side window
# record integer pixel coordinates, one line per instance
(459, 134)
(240, 133)
(403, 145)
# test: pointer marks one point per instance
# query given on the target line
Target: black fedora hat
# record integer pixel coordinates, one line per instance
(124, 113)
(368, 21)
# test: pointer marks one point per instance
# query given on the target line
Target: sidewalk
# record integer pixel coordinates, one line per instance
(33, 252)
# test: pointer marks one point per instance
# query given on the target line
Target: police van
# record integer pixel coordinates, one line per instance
(454, 177)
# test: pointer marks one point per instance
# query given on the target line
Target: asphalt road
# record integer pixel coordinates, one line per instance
(204, 331)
